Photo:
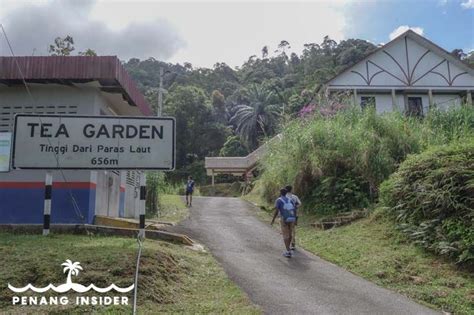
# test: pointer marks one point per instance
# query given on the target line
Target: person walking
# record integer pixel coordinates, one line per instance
(285, 207)
(189, 191)
(297, 203)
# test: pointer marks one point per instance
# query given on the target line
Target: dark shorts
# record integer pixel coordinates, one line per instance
(189, 193)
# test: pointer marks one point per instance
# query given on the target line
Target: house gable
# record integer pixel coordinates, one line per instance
(408, 61)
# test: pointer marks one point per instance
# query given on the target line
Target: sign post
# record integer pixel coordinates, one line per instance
(48, 191)
(142, 204)
(93, 142)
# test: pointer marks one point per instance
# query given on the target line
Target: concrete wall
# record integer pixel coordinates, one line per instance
(132, 194)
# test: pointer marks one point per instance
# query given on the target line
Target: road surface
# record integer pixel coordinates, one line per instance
(250, 252)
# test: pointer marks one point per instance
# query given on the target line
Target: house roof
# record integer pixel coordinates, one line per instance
(420, 40)
(106, 70)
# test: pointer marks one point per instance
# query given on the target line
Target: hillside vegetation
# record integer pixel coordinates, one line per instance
(431, 197)
(337, 162)
(229, 111)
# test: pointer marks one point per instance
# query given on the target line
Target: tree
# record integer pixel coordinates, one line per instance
(88, 52)
(62, 46)
(283, 46)
(458, 53)
(198, 134)
(470, 58)
(259, 117)
(264, 52)
(218, 104)
(233, 147)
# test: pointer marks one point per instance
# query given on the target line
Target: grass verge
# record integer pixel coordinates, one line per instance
(222, 190)
(173, 279)
(373, 249)
(172, 209)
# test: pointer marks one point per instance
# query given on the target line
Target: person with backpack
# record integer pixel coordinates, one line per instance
(189, 191)
(285, 207)
(297, 203)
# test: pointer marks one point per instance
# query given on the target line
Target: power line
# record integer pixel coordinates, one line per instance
(76, 208)
(73, 200)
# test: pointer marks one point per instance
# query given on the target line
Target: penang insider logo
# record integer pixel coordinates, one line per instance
(72, 269)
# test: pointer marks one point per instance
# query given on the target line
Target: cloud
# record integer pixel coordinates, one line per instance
(468, 4)
(32, 27)
(403, 28)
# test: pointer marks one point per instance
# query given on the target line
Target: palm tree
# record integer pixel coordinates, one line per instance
(72, 268)
(257, 119)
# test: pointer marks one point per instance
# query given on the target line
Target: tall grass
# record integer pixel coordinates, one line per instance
(337, 163)
(158, 185)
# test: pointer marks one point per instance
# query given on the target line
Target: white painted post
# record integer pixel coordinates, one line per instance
(355, 98)
(394, 101)
(430, 99)
(48, 189)
(469, 98)
(142, 204)
(212, 175)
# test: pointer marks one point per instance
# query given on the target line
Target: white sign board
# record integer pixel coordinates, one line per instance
(5, 150)
(93, 142)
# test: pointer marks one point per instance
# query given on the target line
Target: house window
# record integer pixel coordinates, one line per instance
(366, 101)
(415, 107)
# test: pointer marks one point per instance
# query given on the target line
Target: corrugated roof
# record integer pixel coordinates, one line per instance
(107, 70)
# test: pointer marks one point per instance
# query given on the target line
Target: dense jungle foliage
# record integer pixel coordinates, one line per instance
(431, 196)
(228, 112)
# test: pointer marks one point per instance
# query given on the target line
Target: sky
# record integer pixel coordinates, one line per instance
(204, 33)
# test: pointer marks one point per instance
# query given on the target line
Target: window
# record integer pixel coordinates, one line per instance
(366, 101)
(415, 107)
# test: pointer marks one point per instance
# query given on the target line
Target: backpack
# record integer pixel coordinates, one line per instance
(288, 211)
(190, 186)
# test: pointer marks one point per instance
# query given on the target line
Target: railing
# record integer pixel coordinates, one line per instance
(240, 164)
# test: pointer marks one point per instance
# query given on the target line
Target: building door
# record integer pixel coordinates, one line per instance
(415, 107)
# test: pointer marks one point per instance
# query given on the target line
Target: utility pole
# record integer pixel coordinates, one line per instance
(160, 95)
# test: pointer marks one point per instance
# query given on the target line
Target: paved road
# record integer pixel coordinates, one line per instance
(250, 252)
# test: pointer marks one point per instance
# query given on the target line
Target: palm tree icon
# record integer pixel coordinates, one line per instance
(72, 269)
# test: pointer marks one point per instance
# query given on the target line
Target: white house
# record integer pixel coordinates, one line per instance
(67, 85)
(410, 74)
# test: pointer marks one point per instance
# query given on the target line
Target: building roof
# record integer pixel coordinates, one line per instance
(106, 70)
(420, 40)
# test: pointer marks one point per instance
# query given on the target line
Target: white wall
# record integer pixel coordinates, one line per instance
(383, 101)
(62, 99)
(108, 194)
(132, 195)
(46, 98)
(445, 101)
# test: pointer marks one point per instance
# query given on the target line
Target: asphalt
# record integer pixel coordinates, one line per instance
(250, 252)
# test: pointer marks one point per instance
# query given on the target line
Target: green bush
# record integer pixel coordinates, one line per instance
(431, 197)
(337, 163)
